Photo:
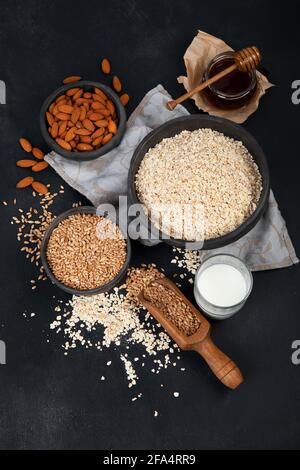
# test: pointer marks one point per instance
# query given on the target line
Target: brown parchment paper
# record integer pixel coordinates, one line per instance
(197, 57)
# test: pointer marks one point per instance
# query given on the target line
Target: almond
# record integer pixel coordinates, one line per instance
(101, 93)
(82, 113)
(26, 163)
(25, 182)
(99, 98)
(55, 110)
(39, 166)
(65, 108)
(61, 103)
(60, 98)
(84, 147)
(73, 144)
(101, 123)
(96, 116)
(98, 133)
(78, 94)
(117, 83)
(105, 66)
(96, 105)
(110, 106)
(107, 138)
(65, 145)
(86, 139)
(124, 99)
(50, 118)
(81, 100)
(72, 91)
(70, 134)
(104, 111)
(39, 187)
(112, 127)
(71, 79)
(87, 95)
(97, 141)
(38, 153)
(63, 116)
(62, 127)
(75, 115)
(83, 132)
(54, 130)
(88, 125)
(25, 144)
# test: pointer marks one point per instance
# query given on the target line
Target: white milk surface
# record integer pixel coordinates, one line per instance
(222, 285)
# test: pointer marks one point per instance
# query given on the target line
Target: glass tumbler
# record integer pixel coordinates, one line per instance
(217, 310)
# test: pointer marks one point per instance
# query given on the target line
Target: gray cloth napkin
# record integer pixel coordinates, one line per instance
(266, 246)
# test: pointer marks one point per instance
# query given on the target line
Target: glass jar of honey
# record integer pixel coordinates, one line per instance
(233, 90)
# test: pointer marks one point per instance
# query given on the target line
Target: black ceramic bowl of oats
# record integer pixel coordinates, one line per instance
(85, 252)
(204, 180)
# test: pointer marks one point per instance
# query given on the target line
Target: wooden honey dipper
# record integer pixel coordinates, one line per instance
(221, 365)
(245, 60)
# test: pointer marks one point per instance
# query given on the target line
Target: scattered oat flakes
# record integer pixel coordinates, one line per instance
(115, 319)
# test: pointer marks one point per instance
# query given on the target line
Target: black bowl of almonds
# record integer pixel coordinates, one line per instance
(83, 121)
(85, 252)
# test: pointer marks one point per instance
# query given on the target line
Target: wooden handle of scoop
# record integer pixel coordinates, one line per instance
(220, 364)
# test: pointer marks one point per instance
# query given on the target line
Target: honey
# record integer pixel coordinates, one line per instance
(233, 90)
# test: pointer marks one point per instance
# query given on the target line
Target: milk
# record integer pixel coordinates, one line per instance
(222, 285)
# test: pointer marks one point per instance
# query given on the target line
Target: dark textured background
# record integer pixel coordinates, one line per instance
(48, 400)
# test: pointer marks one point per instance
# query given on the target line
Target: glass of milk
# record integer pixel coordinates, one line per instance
(222, 285)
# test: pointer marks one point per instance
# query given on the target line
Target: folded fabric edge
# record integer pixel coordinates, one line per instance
(158, 89)
(271, 267)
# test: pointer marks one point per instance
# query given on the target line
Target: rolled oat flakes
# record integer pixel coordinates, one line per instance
(199, 169)
(116, 320)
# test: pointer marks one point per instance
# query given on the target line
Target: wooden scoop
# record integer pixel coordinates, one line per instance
(223, 367)
(245, 60)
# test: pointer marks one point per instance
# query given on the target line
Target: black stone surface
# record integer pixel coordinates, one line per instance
(52, 401)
